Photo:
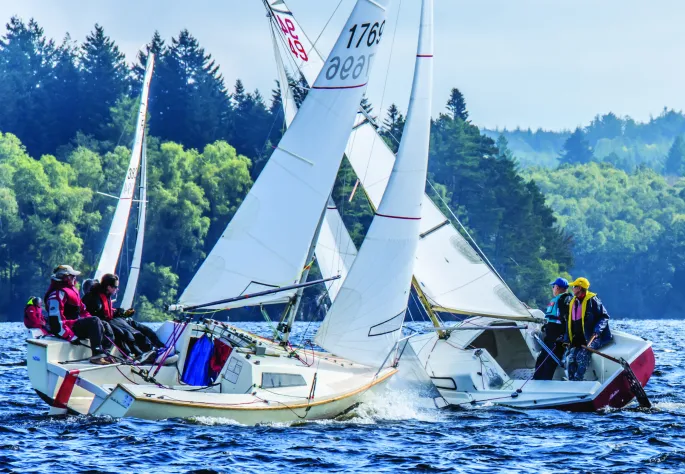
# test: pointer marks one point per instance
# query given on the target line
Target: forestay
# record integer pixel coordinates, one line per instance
(117, 231)
(266, 243)
(365, 320)
(450, 272)
(132, 281)
(334, 249)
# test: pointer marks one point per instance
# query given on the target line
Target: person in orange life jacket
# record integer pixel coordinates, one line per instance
(588, 325)
(128, 334)
(556, 316)
(33, 315)
(68, 317)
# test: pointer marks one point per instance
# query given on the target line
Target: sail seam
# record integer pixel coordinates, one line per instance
(339, 87)
(399, 217)
(295, 155)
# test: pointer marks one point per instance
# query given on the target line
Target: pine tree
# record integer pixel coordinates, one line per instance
(675, 160)
(393, 126)
(503, 151)
(190, 102)
(457, 105)
(576, 149)
(64, 106)
(105, 79)
(27, 60)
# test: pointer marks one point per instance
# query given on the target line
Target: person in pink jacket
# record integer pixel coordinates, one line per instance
(68, 317)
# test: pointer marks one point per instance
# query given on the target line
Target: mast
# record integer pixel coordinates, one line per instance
(297, 299)
(117, 231)
(132, 281)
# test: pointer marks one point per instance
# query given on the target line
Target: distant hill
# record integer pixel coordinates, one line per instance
(622, 141)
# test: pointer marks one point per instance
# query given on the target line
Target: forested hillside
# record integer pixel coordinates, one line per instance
(68, 122)
(623, 142)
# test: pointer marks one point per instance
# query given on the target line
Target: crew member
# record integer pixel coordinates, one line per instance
(33, 315)
(554, 329)
(588, 325)
(68, 317)
(132, 337)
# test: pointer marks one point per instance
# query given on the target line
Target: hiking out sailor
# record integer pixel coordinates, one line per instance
(127, 333)
(556, 316)
(588, 325)
(68, 317)
(33, 315)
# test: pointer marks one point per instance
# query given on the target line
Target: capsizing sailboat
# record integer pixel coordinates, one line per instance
(261, 256)
(488, 358)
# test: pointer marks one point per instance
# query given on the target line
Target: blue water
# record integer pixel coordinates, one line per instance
(398, 431)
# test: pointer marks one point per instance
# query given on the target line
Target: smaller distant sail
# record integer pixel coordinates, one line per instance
(117, 231)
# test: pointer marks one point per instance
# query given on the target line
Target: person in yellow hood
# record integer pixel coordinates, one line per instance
(588, 325)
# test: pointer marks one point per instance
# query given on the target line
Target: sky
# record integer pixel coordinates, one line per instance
(551, 64)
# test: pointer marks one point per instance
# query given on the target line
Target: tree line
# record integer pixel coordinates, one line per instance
(206, 145)
(623, 142)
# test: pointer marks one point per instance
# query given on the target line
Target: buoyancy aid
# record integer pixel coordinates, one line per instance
(64, 308)
(588, 295)
(552, 314)
(106, 306)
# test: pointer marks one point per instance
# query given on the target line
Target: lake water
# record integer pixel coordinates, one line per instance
(393, 432)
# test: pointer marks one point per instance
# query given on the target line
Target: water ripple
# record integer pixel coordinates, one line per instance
(394, 432)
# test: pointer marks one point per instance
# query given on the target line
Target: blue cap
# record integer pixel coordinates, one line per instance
(560, 282)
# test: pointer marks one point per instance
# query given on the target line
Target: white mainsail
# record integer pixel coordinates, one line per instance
(449, 271)
(117, 231)
(132, 281)
(266, 243)
(365, 320)
(334, 248)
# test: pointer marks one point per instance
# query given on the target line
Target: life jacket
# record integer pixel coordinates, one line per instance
(552, 310)
(106, 306)
(72, 308)
(588, 296)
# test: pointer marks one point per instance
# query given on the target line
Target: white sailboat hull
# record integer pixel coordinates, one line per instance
(238, 394)
(476, 368)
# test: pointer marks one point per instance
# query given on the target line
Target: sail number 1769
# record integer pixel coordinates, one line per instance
(372, 33)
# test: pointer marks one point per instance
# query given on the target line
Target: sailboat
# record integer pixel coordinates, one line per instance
(261, 258)
(453, 276)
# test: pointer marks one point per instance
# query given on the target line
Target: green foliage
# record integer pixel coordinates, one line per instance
(626, 230)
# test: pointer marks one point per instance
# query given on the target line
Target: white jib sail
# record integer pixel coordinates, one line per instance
(266, 243)
(117, 231)
(132, 281)
(451, 273)
(365, 320)
(334, 248)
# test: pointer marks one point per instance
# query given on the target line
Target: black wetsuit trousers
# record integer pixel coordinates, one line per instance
(91, 329)
(545, 366)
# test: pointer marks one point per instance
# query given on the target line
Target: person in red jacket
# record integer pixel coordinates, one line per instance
(33, 314)
(68, 317)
